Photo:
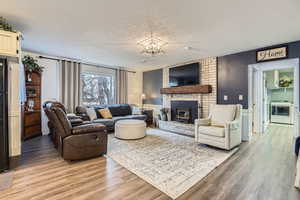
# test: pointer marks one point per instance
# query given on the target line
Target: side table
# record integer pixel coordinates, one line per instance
(149, 114)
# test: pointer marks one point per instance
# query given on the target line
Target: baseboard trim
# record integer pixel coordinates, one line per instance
(14, 162)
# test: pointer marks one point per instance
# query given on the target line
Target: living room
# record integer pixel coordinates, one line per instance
(149, 100)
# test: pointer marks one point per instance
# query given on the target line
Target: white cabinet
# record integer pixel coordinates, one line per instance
(270, 80)
(14, 108)
(273, 78)
(297, 182)
(9, 44)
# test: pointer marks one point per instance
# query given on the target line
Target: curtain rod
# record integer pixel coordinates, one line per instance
(86, 63)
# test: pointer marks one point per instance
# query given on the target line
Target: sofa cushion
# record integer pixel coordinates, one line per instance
(212, 131)
(115, 109)
(76, 122)
(125, 110)
(140, 117)
(120, 110)
(214, 141)
(221, 114)
(121, 118)
(80, 110)
(71, 116)
(106, 122)
(88, 128)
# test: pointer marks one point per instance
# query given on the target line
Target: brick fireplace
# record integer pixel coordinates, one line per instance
(208, 77)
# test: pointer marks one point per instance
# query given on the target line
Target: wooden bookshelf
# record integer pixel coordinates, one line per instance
(32, 117)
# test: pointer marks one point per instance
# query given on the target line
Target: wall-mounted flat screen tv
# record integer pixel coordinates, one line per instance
(184, 75)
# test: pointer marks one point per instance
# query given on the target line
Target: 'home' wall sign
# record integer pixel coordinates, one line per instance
(272, 54)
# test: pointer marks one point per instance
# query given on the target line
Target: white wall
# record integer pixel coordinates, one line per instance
(99, 70)
(50, 87)
(50, 84)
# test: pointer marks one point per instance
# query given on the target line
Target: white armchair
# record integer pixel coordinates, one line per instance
(223, 127)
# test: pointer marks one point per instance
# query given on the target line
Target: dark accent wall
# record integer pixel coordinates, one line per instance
(233, 73)
(152, 82)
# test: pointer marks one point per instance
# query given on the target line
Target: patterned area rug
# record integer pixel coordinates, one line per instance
(170, 162)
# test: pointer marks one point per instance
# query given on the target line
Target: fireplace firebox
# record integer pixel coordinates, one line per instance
(184, 111)
(183, 115)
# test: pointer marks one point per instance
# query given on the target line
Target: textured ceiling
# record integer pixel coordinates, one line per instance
(106, 31)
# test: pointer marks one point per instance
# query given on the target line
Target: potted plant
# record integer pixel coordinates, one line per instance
(5, 26)
(285, 82)
(31, 66)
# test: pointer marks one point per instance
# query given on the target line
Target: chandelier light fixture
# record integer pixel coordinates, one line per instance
(152, 45)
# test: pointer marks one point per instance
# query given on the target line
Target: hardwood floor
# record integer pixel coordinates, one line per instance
(263, 169)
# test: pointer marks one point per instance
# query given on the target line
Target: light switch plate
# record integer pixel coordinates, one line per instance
(225, 98)
(241, 97)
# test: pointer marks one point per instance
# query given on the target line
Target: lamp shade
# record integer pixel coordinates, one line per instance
(143, 96)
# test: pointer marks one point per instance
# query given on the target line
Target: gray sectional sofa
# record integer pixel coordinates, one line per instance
(118, 111)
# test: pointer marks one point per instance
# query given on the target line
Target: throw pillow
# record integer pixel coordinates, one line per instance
(105, 113)
(136, 110)
(91, 113)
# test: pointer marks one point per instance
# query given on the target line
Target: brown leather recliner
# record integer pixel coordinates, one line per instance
(75, 120)
(78, 142)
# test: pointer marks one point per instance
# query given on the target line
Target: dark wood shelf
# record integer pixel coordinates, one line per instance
(189, 89)
(149, 114)
(32, 96)
(31, 125)
(32, 119)
(32, 84)
(33, 111)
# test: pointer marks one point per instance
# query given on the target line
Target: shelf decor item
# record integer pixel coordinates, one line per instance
(5, 26)
(31, 65)
(30, 92)
(30, 105)
(285, 82)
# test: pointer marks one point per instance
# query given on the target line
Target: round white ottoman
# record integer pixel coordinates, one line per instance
(130, 129)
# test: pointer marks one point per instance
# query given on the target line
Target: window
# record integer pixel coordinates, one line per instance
(97, 89)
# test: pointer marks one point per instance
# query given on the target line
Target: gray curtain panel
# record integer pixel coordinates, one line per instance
(70, 84)
(122, 85)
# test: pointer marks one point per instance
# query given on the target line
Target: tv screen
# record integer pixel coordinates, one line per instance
(184, 75)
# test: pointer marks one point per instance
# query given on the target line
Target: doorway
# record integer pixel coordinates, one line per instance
(273, 94)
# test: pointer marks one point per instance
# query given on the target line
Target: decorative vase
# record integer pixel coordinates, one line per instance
(30, 105)
(29, 77)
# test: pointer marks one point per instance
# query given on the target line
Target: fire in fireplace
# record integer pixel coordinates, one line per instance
(183, 115)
